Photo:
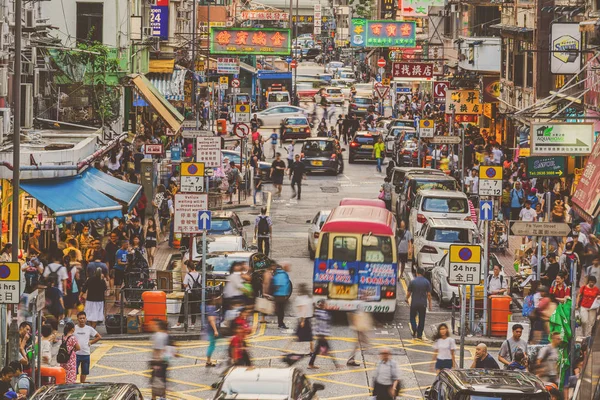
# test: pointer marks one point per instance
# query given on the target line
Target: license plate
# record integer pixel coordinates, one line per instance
(362, 109)
(367, 146)
(210, 282)
(317, 163)
(348, 292)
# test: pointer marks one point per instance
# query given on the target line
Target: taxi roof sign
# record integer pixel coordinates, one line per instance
(490, 172)
(465, 254)
(192, 169)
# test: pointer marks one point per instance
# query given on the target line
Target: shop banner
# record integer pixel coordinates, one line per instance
(412, 70)
(371, 33)
(159, 21)
(560, 138)
(491, 89)
(565, 37)
(463, 102)
(228, 65)
(265, 41)
(254, 15)
(545, 167)
(587, 192)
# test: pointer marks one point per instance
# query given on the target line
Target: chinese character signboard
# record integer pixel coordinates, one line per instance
(265, 41)
(463, 102)
(561, 138)
(587, 192)
(186, 207)
(369, 33)
(208, 151)
(418, 8)
(465, 265)
(412, 70)
(228, 65)
(255, 15)
(159, 21)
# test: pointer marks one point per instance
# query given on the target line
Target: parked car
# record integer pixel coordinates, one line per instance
(333, 66)
(397, 136)
(436, 236)
(413, 183)
(113, 391)
(361, 146)
(307, 89)
(486, 384)
(322, 155)
(219, 263)
(407, 123)
(347, 76)
(398, 174)
(296, 128)
(437, 204)
(314, 231)
(311, 53)
(360, 105)
(266, 383)
(272, 116)
(213, 243)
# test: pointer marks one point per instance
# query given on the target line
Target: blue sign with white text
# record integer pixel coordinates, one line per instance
(159, 21)
(204, 220)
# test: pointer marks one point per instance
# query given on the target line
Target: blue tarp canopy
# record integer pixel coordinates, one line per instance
(73, 197)
(118, 189)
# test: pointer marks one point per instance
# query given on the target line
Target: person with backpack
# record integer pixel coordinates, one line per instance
(23, 384)
(569, 260)
(517, 199)
(511, 345)
(496, 283)
(278, 288)
(263, 231)
(192, 284)
(56, 273)
(32, 271)
(66, 356)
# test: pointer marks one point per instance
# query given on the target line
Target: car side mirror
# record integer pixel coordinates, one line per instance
(246, 223)
(318, 386)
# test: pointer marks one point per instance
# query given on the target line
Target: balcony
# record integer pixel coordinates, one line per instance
(480, 54)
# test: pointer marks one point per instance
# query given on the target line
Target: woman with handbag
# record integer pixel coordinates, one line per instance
(385, 380)
(587, 301)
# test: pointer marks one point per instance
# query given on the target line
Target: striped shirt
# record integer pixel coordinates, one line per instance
(321, 322)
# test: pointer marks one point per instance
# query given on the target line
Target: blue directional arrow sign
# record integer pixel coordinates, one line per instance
(486, 210)
(204, 220)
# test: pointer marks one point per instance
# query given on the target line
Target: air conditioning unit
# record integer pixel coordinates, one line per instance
(30, 18)
(27, 105)
(5, 113)
(146, 32)
(3, 82)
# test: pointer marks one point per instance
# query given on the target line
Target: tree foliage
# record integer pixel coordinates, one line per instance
(362, 8)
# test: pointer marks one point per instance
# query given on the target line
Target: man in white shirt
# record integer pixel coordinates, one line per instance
(86, 336)
(497, 155)
(290, 151)
(55, 268)
(527, 214)
(472, 182)
(496, 282)
(191, 283)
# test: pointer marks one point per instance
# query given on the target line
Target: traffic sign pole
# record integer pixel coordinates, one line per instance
(486, 266)
(463, 317)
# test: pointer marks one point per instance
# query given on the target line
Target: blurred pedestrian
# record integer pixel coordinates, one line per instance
(361, 323)
(304, 312)
(444, 348)
(386, 380)
(419, 289)
(321, 329)
(385, 193)
(547, 360)
(212, 330)
(278, 287)
(192, 286)
(162, 352)
(238, 349)
(379, 152)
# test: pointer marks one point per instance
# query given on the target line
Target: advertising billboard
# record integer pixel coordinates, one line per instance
(371, 33)
(560, 138)
(587, 193)
(265, 41)
(159, 21)
(419, 70)
(463, 102)
(565, 39)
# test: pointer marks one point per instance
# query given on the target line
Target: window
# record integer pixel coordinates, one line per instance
(503, 57)
(434, 204)
(377, 249)
(448, 235)
(89, 22)
(324, 249)
(344, 248)
(519, 65)
(510, 56)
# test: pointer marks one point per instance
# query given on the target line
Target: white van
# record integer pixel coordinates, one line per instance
(278, 99)
(215, 243)
(437, 204)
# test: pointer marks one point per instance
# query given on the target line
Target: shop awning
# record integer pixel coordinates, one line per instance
(118, 189)
(167, 112)
(511, 28)
(73, 197)
(161, 66)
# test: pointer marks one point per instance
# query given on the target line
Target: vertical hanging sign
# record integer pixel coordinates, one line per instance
(159, 19)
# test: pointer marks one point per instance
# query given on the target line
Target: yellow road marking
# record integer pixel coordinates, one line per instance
(144, 373)
(350, 371)
(342, 383)
(100, 352)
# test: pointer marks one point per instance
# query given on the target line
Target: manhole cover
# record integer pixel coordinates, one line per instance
(330, 189)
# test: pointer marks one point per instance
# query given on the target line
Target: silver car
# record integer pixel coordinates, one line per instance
(272, 116)
(314, 231)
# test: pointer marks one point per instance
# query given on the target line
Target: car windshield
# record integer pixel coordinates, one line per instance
(232, 157)
(366, 139)
(363, 100)
(221, 263)
(334, 91)
(449, 184)
(317, 148)
(264, 386)
(220, 226)
(448, 235)
(347, 75)
(297, 121)
(403, 123)
(434, 204)
(279, 97)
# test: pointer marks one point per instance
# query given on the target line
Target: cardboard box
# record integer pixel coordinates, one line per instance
(134, 321)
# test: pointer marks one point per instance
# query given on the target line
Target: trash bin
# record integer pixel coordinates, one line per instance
(500, 314)
(221, 126)
(155, 307)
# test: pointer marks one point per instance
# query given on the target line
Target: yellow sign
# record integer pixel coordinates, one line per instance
(463, 102)
(465, 254)
(426, 123)
(385, 81)
(192, 169)
(524, 152)
(224, 80)
(242, 108)
(493, 173)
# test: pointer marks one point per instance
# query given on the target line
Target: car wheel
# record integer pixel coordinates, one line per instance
(311, 253)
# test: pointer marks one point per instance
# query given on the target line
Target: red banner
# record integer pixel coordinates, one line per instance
(587, 193)
(412, 70)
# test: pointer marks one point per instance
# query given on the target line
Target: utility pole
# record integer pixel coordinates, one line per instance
(194, 99)
(13, 334)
